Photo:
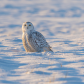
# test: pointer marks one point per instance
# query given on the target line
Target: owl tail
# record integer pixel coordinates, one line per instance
(47, 49)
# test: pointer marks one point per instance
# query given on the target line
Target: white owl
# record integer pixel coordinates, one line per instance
(33, 41)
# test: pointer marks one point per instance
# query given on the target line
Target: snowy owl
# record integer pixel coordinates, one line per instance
(33, 41)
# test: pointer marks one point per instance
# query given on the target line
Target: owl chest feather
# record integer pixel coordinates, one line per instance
(26, 43)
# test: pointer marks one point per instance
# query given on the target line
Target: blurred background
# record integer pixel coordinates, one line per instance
(14, 12)
(62, 24)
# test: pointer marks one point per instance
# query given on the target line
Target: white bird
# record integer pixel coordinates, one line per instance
(33, 41)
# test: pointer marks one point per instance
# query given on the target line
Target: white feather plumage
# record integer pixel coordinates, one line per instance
(33, 41)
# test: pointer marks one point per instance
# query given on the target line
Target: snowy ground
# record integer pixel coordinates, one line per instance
(62, 23)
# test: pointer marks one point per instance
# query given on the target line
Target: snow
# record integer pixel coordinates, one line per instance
(62, 24)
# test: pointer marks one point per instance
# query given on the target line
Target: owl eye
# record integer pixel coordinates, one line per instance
(25, 25)
(29, 25)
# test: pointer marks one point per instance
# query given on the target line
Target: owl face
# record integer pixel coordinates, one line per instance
(27, 26)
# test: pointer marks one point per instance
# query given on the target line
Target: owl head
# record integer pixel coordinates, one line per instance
(27, 26)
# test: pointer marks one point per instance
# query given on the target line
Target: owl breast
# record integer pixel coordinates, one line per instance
(26, 43)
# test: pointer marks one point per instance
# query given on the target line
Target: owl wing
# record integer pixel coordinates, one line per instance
(37, 41)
